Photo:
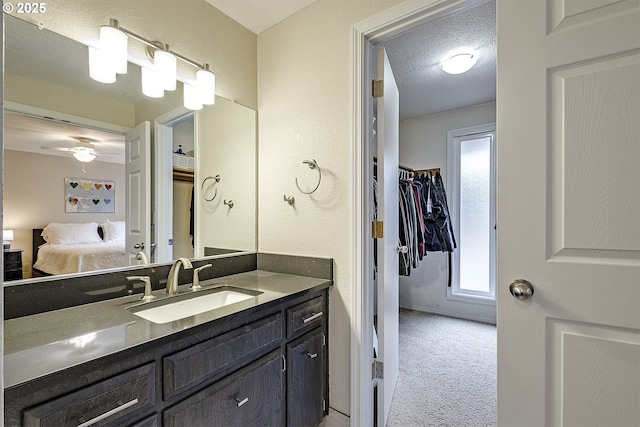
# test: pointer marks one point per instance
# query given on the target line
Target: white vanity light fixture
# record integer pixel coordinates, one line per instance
(99, 67)
(166, 68)
(114, 44)
(460, 63)
(206, 84)
(106, 60)
(192, 98)
(151, 82)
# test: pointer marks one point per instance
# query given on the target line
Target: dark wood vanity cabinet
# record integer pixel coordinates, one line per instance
(253, 396)
(115, 400)
(306, 379)
(261, 367)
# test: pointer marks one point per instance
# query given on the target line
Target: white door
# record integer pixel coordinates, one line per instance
(569, 212)
(137, 182)
(388, 125)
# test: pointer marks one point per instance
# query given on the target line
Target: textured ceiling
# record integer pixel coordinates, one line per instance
(258, 15)
(24, 133)
(415, 59)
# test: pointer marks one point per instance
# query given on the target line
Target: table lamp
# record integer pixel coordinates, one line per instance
(7, 237)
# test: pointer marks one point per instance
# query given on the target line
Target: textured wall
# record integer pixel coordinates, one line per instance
(423, 144)
(304, 95)
(192, 28)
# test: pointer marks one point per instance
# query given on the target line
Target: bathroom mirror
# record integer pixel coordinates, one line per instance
(32, 79)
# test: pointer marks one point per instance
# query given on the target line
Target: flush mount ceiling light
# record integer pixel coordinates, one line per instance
(459, 64)
(110, 58)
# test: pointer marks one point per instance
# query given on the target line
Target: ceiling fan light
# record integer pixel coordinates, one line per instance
(166, 66)
(100, 68)
(459, 64)
(113, 43)
(192, 98)
(84, 155)
(151, 84)
(206, 85)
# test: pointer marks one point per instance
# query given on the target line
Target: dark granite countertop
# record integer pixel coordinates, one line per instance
(48, 342)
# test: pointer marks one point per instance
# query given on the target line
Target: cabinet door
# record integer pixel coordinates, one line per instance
(306, 384)
(253, 396)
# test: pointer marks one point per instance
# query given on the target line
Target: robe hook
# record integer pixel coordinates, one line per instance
(291, 200)
(229, 203)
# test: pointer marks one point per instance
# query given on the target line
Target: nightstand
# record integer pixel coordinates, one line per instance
(13, 264)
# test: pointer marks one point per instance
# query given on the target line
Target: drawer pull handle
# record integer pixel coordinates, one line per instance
(312, 355)
(241, 401)
(312, 318)
(115, 410)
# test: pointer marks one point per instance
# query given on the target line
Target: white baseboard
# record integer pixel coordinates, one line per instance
(441, 312)
(335, 419)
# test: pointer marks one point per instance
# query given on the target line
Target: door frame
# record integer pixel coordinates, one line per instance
(162, 216)
(376, 29)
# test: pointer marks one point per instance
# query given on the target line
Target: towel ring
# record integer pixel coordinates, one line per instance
(312, 165)
(216, 179)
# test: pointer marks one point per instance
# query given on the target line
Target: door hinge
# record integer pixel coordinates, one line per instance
(377, 88)
(377, 370)
(377, 229)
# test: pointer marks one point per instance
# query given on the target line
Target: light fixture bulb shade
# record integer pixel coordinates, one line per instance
(166, 65)
(100, 69)
(459, 64)
(7, 235)
(206, 84)
(192, 98)
(151, 84)
(113, 43)
(84, 155)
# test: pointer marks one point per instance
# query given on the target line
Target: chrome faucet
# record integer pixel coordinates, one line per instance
(172, 280)
(142, 256)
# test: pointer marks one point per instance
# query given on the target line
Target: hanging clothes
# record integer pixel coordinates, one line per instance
(439, 236)
(425, 224)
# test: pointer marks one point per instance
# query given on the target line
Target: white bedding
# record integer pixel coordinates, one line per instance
(76, 258)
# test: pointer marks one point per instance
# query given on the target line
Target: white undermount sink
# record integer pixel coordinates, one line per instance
(186, 305)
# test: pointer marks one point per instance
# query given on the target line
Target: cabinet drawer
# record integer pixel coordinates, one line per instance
(109, 402)
(254, 396)
(186, 368)
(305, 315)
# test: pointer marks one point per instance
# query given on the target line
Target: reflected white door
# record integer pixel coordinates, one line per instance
(137, 182)
(388, 125)
(569, 212)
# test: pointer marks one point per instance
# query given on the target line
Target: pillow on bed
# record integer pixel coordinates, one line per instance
(71, 233)
(114, 231)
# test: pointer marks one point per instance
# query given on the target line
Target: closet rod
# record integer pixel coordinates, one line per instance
(426, 171)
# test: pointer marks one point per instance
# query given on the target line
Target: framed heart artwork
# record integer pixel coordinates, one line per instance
(86, 195)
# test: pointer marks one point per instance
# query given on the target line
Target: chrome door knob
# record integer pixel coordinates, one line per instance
(402, 249)
(521, 289)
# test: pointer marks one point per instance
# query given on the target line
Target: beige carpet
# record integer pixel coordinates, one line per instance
(447, 372)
